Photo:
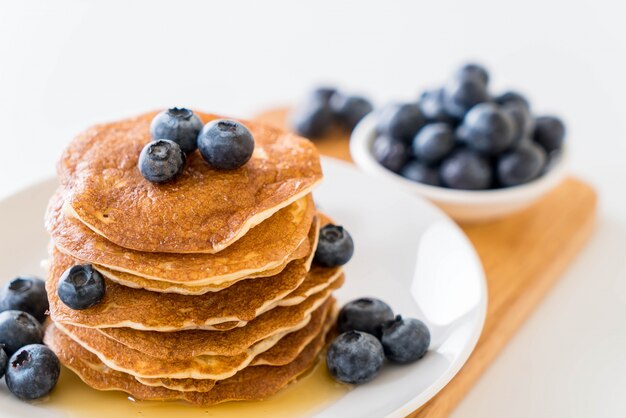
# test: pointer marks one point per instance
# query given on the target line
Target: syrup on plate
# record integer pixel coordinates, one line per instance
(312, 393)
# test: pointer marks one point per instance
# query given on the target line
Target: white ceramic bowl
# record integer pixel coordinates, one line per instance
(462, 205)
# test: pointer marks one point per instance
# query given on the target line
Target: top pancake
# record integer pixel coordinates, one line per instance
(202, 211)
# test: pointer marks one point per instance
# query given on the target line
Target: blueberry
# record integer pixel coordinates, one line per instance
(179, 125)
(512, 97)
(161, 161)
(400, 121)
(364, 314)
(549, 132)
(26, 294)
(522, 120)
(349, 110)
(355, 357)
(225, 144)
(324, 93)
(405, 340)
(421, 173)
(312, 119)
(334, 247)
(467, 170)
(433, 142)
(521, 165)
(32, 372)
(472, 70)
(460, 134)
(3, 362)
(81, 287)
(432, 107)
(18, 329)
(390, 153)
(488, 129)
(460, 94)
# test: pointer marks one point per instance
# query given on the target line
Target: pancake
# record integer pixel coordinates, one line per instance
(266, 247)
(130, 280)
(211, 208)
(185, 344)
(219, 367)
(182, 385)
(232, 307)
(284, 352)
(138, 282)
(252, 383)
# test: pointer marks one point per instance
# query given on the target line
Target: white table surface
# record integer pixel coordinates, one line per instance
(67, 64)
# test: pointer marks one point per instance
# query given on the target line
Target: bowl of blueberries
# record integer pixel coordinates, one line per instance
(477, 156)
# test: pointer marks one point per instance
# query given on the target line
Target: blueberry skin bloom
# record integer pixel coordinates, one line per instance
(405, 340)
(522, 120)
(81, 287)
(3, 362)
(334, 247)
(349, 110)
(364, 314)
(390, 153)
(26, 294)
(355, 357)
(462, 93)
(421, 173)
(18, 329)
(473, 70)
(313, 118)
(400, 121)
(466, 170)
(161, 161)
(32, 372)
(521, 165)
(225, 144)
(488, 129)
(432, 107)
(510, 97)
(549, 132)
(433, 142)
(179, 125)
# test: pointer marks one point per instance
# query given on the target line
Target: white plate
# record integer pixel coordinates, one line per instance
(408, 253)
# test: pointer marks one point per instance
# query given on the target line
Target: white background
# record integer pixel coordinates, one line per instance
(65, 65)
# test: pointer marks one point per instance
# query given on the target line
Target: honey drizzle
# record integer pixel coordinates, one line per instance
(312, 393)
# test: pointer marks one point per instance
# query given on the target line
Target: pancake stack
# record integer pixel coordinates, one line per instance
(211, 294)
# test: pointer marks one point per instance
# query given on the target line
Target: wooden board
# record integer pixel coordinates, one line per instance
(523, 256)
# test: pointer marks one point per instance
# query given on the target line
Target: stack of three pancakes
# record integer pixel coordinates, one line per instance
(211, 290)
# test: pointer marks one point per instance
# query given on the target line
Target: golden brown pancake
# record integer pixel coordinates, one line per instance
(130, 280)
(211, 208)
(251, 383)
(318, 279)
(138, 282)
(219, 367)
(145, 310)
(266, 247)
(181, 385)
(284, 352)
(185, 344)
(293, 343)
